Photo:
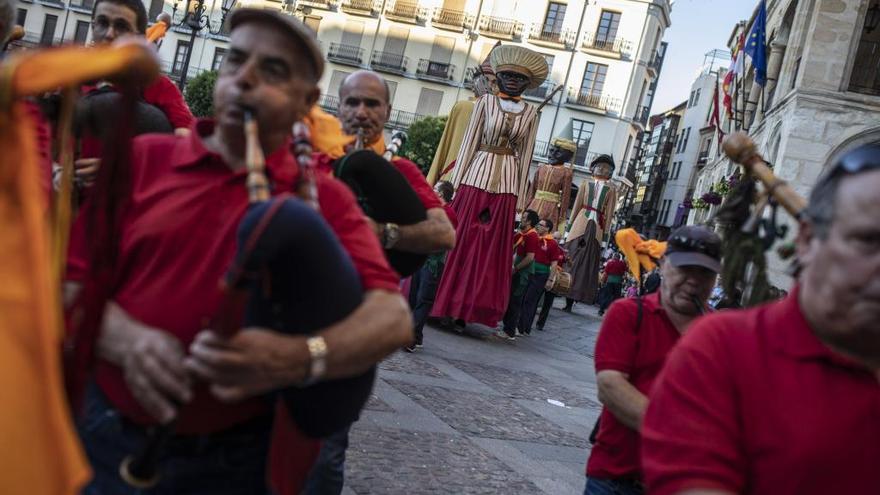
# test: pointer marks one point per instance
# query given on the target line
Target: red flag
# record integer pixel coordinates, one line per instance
(716, 116)
(736, 68)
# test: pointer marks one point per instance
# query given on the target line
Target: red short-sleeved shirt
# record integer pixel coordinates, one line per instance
(640, 353)
(179, 239)
(615, 267)
(548, 252)
(526, 243)
(752, 402)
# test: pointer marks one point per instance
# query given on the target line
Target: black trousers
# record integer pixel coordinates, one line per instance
(531, 298)
(549, 297)
(518, 284)
(424, 286)
(609, 293)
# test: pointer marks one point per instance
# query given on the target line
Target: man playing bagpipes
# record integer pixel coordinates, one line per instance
(156, 362)
(782, 398)
(364, 108)
(112, 19)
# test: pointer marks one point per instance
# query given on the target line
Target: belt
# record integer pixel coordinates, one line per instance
(547, 196)
(498, 150)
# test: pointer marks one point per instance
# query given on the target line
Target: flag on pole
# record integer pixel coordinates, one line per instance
(716, 116)
(736, 68)
(756, 45)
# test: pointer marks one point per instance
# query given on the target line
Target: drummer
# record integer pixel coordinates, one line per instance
(546, 260)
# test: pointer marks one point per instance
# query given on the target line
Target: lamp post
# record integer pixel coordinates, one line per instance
(196, 18)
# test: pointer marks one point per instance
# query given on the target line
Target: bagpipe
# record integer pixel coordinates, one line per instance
(384, 194)
(268, 282)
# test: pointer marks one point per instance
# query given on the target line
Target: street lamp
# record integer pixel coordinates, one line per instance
(872, 17)
(196, 18)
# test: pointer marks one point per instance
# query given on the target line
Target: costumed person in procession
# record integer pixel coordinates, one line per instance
(526, 244)
(546, 260)
(491, 179)
(457, 123)
(425, 286)
(364, 108)
(112, 19)
(549, 295)
(550, 192)
(635, 337)
(590, 218)
(156, 362)
(41, 454)
(614, 271)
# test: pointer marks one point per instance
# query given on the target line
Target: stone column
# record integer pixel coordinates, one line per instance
(751, 105)
(774, 66)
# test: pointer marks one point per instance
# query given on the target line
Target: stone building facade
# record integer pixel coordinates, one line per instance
(822, 95)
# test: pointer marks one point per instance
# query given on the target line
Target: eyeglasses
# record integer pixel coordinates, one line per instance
(695, 245)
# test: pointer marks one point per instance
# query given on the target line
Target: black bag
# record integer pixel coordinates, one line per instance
(595, 431)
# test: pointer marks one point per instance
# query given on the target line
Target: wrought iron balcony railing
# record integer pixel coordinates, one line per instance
(642, 115)
(346, 54)
(360, 7)
(563, 37)
(406, 11)
(394, 63)
(402, 120)
(438, 71)
(615, 46)
(704, 157)
(656, 62)
(452, 19)
(499, 27)
(329, 103)
(321, 4)
(593, 100)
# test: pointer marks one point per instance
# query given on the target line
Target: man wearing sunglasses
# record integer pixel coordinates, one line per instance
(634, 340)
(785, 398)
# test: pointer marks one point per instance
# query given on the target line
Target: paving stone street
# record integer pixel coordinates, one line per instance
(471, 414)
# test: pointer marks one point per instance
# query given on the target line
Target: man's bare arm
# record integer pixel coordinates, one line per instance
(624, 401)
(429, 236)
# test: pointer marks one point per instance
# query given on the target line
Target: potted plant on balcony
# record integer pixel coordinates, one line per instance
(711, 198)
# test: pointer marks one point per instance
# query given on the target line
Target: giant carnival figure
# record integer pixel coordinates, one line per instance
(550, 192)
(491, 180)
(590, 218)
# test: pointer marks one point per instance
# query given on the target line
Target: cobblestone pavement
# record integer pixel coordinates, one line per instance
(472, 414)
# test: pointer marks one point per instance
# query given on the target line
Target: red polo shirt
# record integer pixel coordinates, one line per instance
(548, 252)
(526, 243)
(640, 353)
(753, 402)
(179, 240)
(615, 267)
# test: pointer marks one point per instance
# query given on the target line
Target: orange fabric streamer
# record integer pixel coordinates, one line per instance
(42, 454)
(156, 32)
(639, 253)
(326, 133)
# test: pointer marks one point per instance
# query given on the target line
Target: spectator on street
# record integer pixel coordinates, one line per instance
(635, 337)
(785, 398)
(615, 269)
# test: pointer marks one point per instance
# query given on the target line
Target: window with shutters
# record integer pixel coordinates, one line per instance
(312, 22)
(554, 18)
(336, 81)
(21, 17)
(353, 33)
(156, 7)
(48, 36)
(581, 133)
(82, 32)
(865, 77)
(594, 79)
(608, 24)
(219, 53)
(429, 102)
(392, 90)
(179, 57)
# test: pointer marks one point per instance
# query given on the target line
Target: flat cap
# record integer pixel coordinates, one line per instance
(290, 25)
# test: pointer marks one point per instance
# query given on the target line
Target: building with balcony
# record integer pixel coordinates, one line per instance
(822, 96)
(605, 55)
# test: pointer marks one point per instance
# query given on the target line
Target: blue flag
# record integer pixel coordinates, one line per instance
(756, 45)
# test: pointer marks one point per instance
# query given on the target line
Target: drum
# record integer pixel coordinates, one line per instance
(559, 282)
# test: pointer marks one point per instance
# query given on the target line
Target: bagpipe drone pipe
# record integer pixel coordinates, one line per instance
(291, 275)
(385, 196)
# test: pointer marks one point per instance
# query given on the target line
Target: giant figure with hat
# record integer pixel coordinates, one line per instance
(590, 218)
(491, 180)
(550, 192)
(457, 123)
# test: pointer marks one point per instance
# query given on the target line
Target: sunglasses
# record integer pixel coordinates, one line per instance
(857, 161)
(682, 243)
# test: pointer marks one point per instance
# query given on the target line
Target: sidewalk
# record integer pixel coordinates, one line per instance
(471, 414)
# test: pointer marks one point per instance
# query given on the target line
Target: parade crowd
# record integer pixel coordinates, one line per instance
(229, 284)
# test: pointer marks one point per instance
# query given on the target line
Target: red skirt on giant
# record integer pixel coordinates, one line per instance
(475, 285)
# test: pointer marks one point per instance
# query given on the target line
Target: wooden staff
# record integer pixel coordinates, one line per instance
(740, 148)
(549, 97)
